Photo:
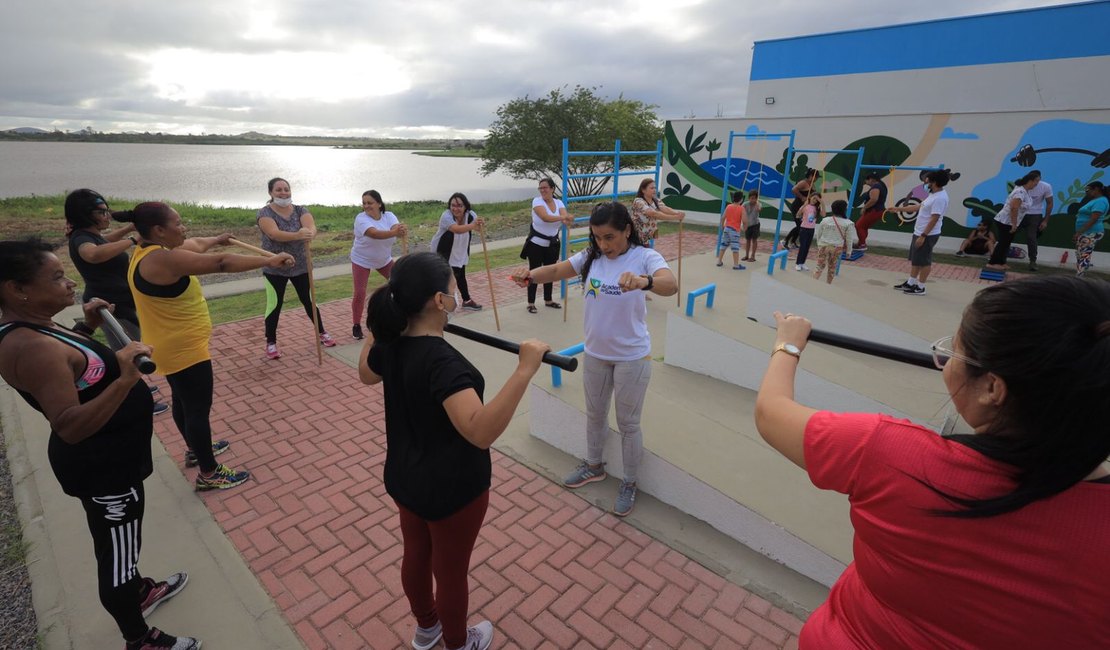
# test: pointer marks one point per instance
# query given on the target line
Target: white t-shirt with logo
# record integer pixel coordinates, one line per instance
(935, 203)
(1037, 195)
(1005, 215)
(549, 228)
(615, 321)
(370, 253)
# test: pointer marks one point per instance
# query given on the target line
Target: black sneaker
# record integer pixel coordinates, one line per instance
(160, 408)
(961, 254)
(156, 638)
(356, 331)
(903, 286)
(1032, 266)
(915, 290)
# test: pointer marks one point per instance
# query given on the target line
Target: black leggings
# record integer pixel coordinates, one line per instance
(192, 404)
(116, 525)
(1002, 247)
(460, 281)
(541, 256)
(275, 295)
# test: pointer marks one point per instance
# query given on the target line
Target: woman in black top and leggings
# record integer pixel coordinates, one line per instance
(101, 259)
(438, 433)
(100, 427)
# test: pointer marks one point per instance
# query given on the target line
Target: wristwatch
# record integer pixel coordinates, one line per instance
(650, 284)
(788, 348)
(134, 241)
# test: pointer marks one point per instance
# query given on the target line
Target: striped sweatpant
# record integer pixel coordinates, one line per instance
(116, 525)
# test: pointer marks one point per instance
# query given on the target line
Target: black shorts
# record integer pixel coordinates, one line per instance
(923, 255)
(752, 232)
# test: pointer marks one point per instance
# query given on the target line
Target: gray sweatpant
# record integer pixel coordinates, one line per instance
(626, 382)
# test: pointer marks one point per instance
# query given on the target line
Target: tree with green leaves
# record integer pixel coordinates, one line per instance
(526, 140)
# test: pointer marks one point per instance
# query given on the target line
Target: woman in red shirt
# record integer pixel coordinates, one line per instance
(995, 539)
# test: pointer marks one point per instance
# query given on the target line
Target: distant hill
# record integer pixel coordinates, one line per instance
(31, 134)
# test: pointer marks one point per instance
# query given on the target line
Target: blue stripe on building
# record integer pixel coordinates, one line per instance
(1061, 32)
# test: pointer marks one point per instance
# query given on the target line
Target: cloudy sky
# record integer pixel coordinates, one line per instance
(392, 68)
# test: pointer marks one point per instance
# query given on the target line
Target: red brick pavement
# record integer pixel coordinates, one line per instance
(549, 569)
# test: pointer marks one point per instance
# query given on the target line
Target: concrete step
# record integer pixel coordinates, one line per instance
(704, 457)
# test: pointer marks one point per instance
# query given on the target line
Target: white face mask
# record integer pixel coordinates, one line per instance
(458, 304)
(283, 203)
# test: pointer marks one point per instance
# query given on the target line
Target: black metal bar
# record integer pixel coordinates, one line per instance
(902, 355)
(570, 364)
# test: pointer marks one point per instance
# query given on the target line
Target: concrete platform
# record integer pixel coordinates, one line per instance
(702, 453)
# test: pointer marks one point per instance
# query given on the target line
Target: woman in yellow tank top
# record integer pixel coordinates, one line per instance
(174, 314)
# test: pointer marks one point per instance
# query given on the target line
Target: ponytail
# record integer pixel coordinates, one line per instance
(414, 280)
(145, 216)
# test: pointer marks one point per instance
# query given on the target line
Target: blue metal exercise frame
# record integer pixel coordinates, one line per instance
(781, 255)
(709, 291)
(725, 188)
(616, 174)
(556, 371)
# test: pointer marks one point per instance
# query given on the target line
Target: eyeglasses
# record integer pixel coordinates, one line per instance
(942, 352)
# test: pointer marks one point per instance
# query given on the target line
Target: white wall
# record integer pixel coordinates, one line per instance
(1058, 84)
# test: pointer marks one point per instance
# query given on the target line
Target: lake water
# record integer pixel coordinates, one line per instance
(227, 175)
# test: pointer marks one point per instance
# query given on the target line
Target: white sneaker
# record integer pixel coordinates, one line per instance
(805, 268)
(478, 637)
(797, 267)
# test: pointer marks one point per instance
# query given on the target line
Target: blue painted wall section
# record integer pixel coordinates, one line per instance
(1062, 32)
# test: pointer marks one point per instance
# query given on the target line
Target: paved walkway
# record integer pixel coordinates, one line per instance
(316, 527)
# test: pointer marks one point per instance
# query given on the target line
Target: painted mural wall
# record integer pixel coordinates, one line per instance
(988, 151)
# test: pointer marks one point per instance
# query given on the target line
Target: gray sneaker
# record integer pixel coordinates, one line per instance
(427, 638)
(478, 637)
(626, 498)
(584, 474)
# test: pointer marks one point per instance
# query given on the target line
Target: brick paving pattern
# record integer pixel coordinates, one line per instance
(549, 570)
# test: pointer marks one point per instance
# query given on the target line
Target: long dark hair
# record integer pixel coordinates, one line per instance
(145, 216)
(79, 207)
(1048, 338)
(465, 201)
(616, 216)
(414, 280)
(377, 197)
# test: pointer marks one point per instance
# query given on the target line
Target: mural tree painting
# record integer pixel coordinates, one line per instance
(526, 139)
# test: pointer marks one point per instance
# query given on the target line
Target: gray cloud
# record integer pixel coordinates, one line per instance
(73, 64)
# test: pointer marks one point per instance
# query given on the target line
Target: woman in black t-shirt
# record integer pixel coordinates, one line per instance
(100, 427)
(438, 434)
(101, 259)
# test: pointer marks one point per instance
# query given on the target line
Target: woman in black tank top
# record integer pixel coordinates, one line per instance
(100, 419)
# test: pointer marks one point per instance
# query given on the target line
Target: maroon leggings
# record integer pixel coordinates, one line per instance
(441, 549)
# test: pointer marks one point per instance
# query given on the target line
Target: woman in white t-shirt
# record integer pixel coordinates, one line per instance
(375, 231)
(452, 242)
(542, 245)
(617, 272)
(1009, 218)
